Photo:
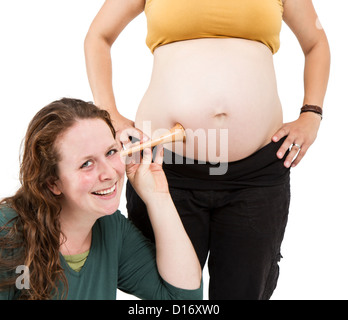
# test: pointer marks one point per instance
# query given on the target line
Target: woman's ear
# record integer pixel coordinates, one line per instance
(52, 185)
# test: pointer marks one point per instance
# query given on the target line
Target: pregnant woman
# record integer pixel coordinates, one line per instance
(213, 73)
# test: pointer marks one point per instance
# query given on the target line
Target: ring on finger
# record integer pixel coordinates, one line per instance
(296, 145)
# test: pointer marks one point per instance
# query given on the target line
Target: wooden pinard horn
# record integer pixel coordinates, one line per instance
(177, 133)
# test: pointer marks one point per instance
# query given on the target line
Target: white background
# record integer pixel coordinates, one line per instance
(42, 59)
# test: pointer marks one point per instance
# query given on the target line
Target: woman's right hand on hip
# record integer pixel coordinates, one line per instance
(125, 129)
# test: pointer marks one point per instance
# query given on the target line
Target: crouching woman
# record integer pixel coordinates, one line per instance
(63, 225)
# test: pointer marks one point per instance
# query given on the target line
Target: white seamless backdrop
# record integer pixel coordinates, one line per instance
(42, 59)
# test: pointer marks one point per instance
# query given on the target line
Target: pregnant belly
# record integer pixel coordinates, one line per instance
(225, 97)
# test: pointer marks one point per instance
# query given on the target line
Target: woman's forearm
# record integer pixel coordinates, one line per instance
(177, 261)
(316, 73)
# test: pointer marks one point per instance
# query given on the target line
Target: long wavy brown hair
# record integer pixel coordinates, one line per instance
(33, 236)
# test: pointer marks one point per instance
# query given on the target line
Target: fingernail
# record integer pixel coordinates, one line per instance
(287, 164)
(280, 155)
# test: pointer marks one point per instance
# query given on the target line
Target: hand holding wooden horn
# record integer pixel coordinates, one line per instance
(177, 133)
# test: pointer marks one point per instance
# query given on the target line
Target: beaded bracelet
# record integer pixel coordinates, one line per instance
(312, 108)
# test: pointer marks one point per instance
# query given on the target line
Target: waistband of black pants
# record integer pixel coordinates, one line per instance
(262, 168)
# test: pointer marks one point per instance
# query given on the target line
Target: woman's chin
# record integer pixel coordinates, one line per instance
(112, 209)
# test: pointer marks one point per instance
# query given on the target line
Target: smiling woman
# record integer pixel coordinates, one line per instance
(64, 226)
(90, 170)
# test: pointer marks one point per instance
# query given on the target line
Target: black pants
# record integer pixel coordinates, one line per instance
(239, 218)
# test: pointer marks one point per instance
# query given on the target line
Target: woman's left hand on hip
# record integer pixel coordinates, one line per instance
(301, 134)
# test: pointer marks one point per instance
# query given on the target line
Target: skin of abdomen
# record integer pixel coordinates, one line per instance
(224, 93)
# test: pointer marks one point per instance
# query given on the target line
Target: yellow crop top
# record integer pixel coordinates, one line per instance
(175, 20)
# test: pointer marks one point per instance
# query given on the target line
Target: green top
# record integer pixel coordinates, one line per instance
(76, 261)
(120, 257)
